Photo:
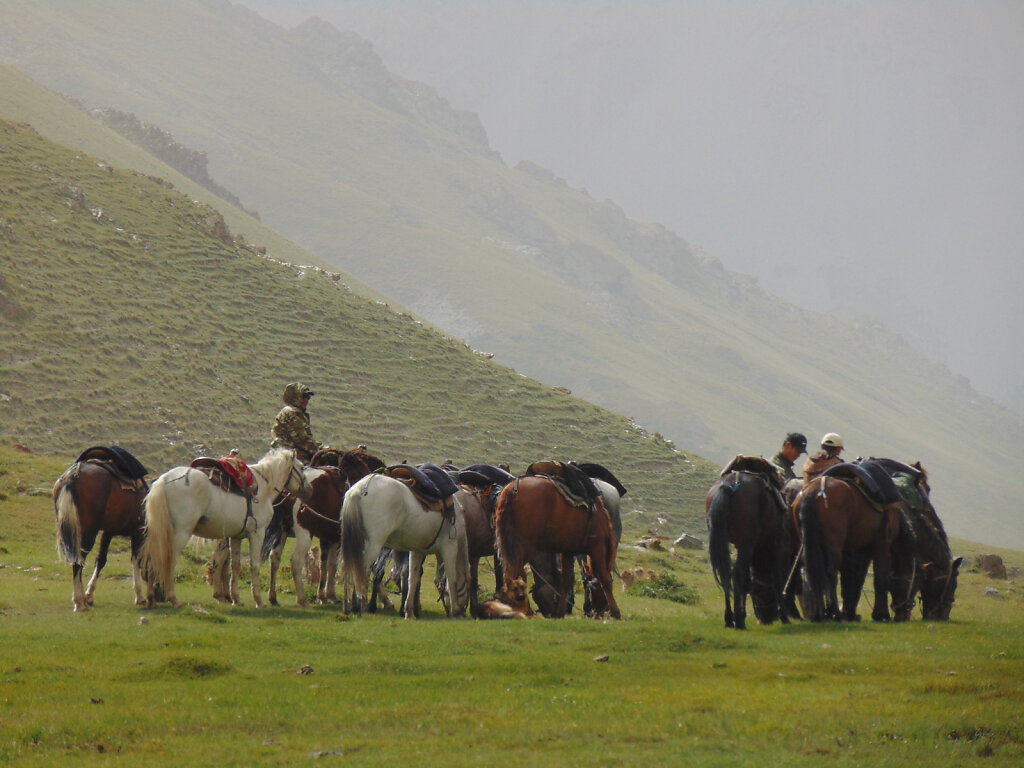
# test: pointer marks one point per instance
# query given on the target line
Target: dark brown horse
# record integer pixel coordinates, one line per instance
(935, 570)
(842, 534)
(103, 491)
(742, 508)
(533, 515)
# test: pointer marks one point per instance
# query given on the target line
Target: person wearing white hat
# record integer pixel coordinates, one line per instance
(831, 447)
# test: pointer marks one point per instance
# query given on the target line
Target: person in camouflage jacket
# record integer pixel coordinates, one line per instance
(291, 427)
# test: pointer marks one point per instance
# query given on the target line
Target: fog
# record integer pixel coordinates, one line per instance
(863, 158)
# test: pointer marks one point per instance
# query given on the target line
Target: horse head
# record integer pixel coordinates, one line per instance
(938, 589)
(286, 472)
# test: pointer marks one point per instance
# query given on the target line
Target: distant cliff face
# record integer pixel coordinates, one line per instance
(346, 58)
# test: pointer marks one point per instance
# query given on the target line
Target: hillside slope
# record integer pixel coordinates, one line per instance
(128, 317)
(381, 177)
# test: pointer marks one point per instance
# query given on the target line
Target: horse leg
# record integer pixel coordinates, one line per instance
(255, 547)
(299, 555)
(329, 556)
(882, 574)
(236, 571)
(101, 561)
(474, 584)
(415, 573)
(599, 564)
(854, 571)
(275, 564)
(740, 588)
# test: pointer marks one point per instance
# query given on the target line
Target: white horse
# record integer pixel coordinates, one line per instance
(380, 511)
(183, 502)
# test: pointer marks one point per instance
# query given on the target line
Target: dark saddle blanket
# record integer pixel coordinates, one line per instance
(574, 483)
(756, 465)
(230, 473)
(871, 476)
(120, 460)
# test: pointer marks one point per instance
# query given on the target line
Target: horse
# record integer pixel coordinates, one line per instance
(741, 509)
(935, 570)
(546, 566)
(532, 515)
(331, 473)
(842, 533)
(184, 502)
(102, 490)
(381, 511)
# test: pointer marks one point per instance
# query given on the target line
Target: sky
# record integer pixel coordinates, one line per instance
(863, 158)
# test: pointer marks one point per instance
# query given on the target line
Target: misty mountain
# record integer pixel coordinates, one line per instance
(383, 179)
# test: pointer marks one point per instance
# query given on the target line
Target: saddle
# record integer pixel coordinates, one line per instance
(430, 484)
(229, 473)
(756, 465)
(485, 482)
(762, 468)
(871, 478)
(119, 463)
(598, 472)
(571, 481)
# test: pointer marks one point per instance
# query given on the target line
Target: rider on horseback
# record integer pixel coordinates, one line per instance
(291, 427)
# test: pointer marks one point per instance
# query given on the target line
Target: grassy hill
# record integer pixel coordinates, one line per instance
(129, 316)
(381, 178)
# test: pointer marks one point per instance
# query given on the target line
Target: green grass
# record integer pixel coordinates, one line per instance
(212, 684)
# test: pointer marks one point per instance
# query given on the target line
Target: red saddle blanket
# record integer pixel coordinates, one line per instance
(233, 467)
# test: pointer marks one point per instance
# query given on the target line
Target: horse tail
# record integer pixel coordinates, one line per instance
(276, 530)
(353, 543)
(815, 557)
(69, 525)
(507, 545)
(718, 537)
(157, 553)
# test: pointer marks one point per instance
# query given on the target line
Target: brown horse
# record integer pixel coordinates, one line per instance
(842, 534)
(742, 509)
(102, 490)
(532, 515)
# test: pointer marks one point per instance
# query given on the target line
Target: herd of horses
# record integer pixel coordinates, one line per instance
(362, 512)
(813, 543)
(810, 544)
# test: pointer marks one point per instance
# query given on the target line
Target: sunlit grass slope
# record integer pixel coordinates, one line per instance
(129, 317)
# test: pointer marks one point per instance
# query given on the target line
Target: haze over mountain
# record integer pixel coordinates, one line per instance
(383, 178)
(859, 158)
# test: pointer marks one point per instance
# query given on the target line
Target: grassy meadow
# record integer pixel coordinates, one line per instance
(668, 685)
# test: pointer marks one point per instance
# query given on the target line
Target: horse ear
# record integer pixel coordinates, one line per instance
(956, 563)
